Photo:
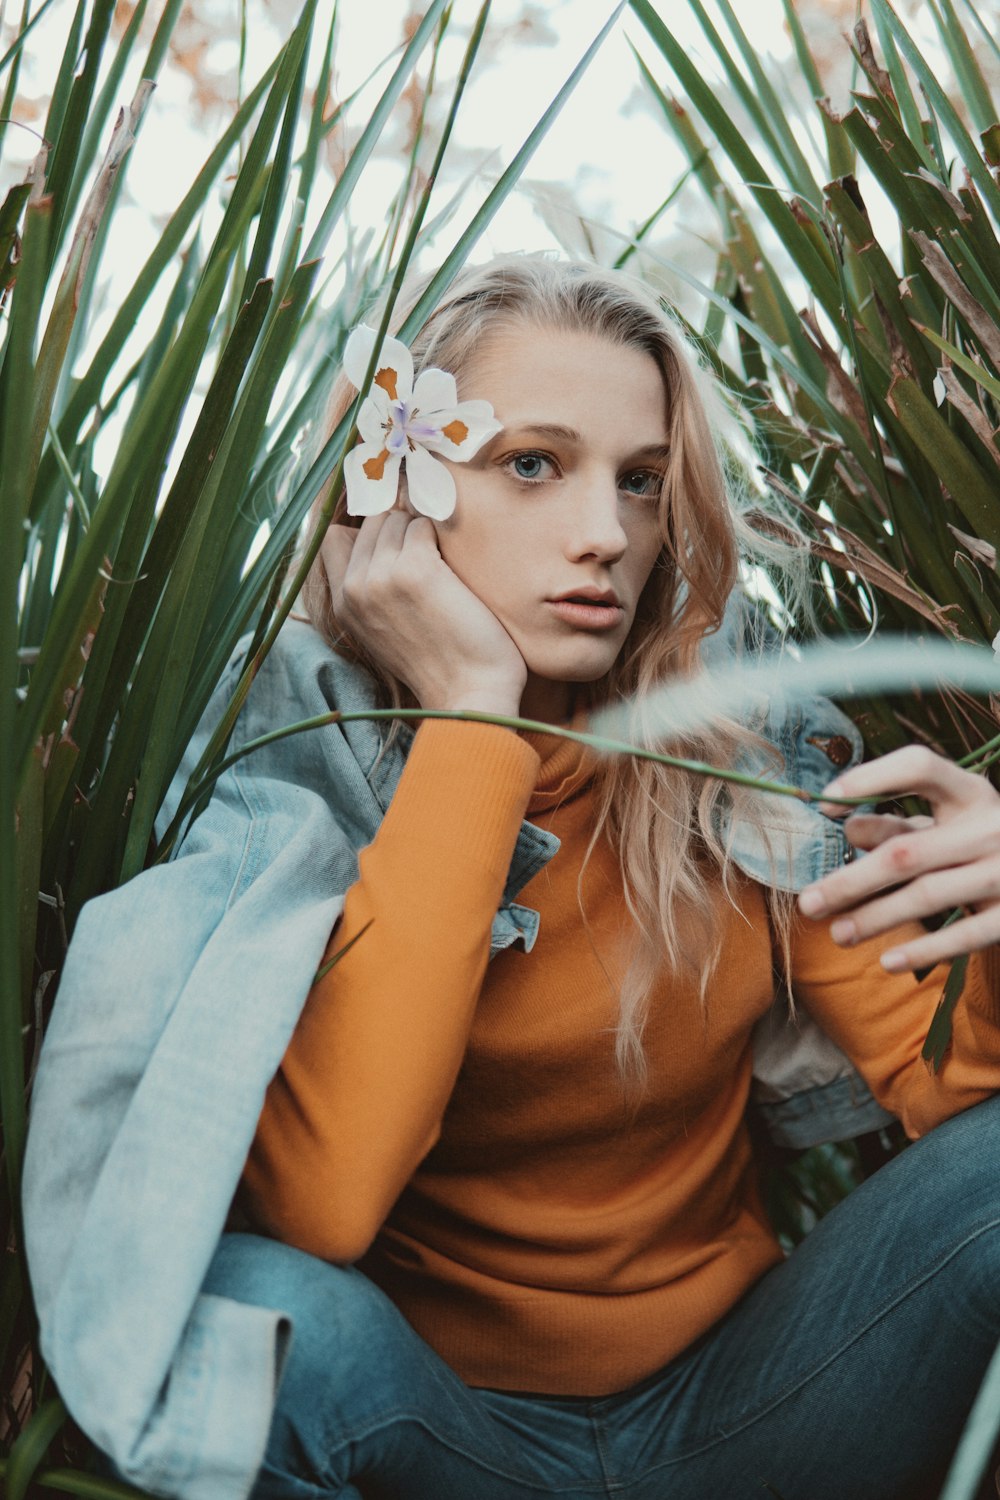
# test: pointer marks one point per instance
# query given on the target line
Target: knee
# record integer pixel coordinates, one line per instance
(336, 1315)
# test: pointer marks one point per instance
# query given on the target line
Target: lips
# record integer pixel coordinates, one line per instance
(584, 612)
(588, 596)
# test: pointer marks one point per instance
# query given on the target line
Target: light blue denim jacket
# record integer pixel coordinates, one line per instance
(179, 995)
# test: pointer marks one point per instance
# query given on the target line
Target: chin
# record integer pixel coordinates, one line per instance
(576, 666)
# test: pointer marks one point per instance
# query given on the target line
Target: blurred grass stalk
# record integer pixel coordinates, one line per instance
(122, 594)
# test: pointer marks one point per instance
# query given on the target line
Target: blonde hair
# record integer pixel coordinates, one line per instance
(660, 821)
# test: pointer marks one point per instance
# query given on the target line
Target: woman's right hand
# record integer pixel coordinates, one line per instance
(394, 592)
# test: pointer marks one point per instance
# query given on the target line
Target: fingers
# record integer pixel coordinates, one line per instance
(937, 891)
(968, 935)
(907, 858)
(336, 551)
(869, 830)
(914, 770)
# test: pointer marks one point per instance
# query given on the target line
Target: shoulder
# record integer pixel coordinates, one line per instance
(300, 672)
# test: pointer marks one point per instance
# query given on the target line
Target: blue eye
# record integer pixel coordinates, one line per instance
(645, 482)
(529, 467)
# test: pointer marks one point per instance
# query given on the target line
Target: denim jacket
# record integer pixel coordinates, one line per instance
(178, 998)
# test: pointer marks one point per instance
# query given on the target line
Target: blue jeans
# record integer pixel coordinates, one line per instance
(846, 1373)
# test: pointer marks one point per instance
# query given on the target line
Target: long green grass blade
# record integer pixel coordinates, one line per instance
(75, 1482)
(26, 27)
(938, 1038)
(977, 168)
(32, 1446)
(86, 395)
(136, 469)
(774, 124)
(64, 77)
(65, 157)
(973, 367)
(814, 264)
(839, 154)
(12, 59)
(984, 31)
(107, 100)
(348, 179)
(906, 104)
(975, 90)
(290, 83)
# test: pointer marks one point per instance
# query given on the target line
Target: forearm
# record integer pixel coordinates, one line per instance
(358, 1099)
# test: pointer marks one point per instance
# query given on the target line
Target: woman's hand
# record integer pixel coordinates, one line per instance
(400, 600)
(917, 866)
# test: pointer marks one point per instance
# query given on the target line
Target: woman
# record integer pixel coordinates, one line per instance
(507, 1208)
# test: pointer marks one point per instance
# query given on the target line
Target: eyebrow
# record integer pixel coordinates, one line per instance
(570, 435)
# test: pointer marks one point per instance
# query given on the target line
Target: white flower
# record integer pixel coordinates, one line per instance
(400, 422)
(996, 644)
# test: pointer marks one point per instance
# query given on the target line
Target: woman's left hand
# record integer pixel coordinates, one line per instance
(917, 867)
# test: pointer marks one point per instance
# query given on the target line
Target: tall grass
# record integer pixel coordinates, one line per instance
(874, 389)
(122, 593)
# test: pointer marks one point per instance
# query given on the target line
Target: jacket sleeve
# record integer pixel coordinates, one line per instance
(178, 996)
(358, 1099)
(881, 1021)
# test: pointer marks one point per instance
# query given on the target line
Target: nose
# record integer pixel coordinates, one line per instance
(595, 527)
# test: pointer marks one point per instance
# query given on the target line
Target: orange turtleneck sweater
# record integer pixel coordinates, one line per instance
(461, 1131)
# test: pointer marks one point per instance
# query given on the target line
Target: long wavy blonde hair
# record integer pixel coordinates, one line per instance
(661, 822)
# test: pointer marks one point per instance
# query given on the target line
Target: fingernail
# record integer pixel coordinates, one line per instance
(894, 960)
(844, 931)
(811, 903)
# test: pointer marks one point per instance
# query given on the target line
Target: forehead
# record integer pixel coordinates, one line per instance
(569, 377)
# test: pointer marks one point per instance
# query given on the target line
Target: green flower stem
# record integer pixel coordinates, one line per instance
(532, 726)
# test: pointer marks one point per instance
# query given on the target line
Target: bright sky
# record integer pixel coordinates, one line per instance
(607, 150)
(608, 156)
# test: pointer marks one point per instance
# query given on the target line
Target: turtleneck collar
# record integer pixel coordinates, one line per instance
(567, 766)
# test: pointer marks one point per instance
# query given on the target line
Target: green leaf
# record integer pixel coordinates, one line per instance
(761, 100)
(291, 80)
(814, 264)
(326, 462)
(973, 491)
(32, 1446)
(135, 472)
(938, 1038)
(66, 151)
(87, 393)
(971, 367)
(348, 178)
(839, 154)
(85, 1486)
(977, 168)
(175, 542)
(974, 88)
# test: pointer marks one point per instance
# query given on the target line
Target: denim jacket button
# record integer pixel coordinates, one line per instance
(836, 747)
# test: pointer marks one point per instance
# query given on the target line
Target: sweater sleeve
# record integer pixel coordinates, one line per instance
(358, 1099)
(881, 1021)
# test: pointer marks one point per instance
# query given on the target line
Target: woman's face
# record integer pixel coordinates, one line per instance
(562, 504)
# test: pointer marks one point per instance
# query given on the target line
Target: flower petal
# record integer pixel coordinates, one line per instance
(394, 370)
(435, 391)
(463, 430)
(430, 487)
(371, 474)
(373, 416)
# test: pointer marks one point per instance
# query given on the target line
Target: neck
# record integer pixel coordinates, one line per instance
(547, 701)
